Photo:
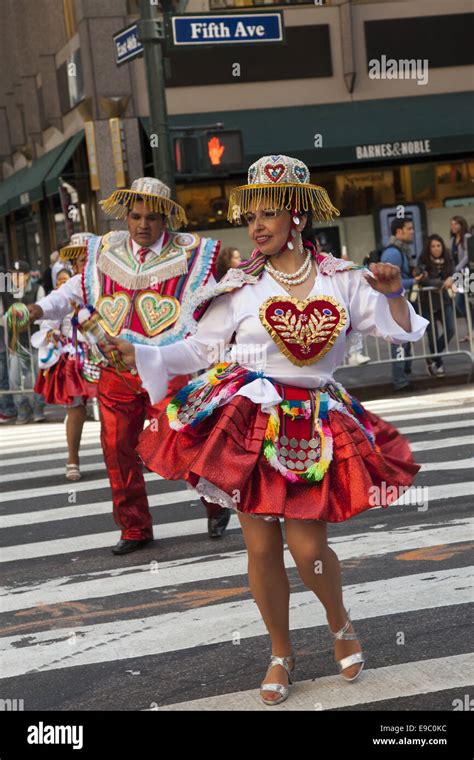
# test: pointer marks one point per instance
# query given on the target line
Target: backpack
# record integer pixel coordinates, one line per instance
(375, 256)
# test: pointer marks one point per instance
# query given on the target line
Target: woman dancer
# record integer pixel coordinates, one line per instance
(270, 433)
(69, 371)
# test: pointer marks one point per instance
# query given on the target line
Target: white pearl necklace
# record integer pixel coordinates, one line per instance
(296, 278)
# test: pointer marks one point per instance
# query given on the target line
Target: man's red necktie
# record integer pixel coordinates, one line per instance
(142, 252)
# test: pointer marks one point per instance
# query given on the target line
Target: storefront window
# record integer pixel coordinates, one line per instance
(354, 192)
(218, 4)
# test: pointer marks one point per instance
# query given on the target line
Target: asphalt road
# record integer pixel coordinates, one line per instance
(174, 626)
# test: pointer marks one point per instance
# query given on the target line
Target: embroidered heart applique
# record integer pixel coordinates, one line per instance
(113, 311)
(274, 172)
(300, 173)
(156, 312)
(303, 330)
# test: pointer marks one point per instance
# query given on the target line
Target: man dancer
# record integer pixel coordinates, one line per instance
(139, 282)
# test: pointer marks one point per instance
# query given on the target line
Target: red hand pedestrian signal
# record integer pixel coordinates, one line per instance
(215, 150)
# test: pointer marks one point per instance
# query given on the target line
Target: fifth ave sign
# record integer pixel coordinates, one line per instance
(243, 27)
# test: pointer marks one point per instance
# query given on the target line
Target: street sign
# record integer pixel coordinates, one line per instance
(227, 29)
(127, 44)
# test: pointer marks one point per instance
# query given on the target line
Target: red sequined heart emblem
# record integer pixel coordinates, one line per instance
(303, 330)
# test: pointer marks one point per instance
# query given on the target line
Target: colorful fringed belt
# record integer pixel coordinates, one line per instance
(298, 438)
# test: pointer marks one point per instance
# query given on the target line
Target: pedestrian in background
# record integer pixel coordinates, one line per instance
(398, 253)
(458, 246)
(7, 405)
(227, 258)
(437, 265)
(23, 357)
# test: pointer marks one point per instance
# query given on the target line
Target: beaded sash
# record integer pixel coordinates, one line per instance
(298, 438)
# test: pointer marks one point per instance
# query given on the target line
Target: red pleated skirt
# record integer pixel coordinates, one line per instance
(63, 382)
(226, 450)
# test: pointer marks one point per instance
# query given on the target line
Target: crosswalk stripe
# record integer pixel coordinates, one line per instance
(106, 583)
(375, 685)
(437, 399)
(87, 542)
(97, 467)
(87, 510)
(441, 443)
(459, 464)
(213, 624)
(27, 432)
(65, 488)
(39, 445)
(412, 429)
(54, 452)
(464, 410)
(104, 507)
(86, 452)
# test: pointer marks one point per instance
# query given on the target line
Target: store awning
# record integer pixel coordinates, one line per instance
(51, 181)
(38, 180)
(355, 132)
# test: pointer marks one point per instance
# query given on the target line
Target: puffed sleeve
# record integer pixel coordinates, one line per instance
(57, 304)
(370, 313)
(157, 364)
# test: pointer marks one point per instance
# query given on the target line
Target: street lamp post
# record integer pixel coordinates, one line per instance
(152, 34)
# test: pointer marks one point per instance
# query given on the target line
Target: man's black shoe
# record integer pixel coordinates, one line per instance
(216, 525)
(125, 546)
(405, 388)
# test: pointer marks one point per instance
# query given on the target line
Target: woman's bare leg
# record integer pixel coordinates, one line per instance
(74, 424)
(270, 588)
(320, 570)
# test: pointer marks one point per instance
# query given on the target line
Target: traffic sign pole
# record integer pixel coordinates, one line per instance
(152, 34)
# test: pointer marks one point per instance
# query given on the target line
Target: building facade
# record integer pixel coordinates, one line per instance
(74, 125)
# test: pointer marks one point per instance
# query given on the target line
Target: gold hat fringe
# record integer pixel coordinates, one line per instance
(118, 204)
(71, 252)
(287, 195)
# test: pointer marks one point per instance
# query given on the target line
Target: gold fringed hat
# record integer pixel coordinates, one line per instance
(280, 182)
(76, 246)
(154, 194)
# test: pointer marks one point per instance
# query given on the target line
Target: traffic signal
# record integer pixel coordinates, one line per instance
(224, 149)
(209, 152)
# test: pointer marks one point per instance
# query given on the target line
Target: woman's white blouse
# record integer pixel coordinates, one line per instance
(237, 313)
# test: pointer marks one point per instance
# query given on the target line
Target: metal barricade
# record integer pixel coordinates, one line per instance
(445, 317)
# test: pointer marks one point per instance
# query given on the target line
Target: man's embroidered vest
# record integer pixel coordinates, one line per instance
(143, 302)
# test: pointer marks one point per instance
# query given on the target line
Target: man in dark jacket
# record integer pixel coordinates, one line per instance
(398, 252)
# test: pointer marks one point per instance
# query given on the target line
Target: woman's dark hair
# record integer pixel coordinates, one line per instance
(223, 261)
(425, 261)
(68, 272)
(463, 224)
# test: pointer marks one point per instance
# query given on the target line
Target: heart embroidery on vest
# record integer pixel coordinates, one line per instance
(113, 311)
(274, 172)
(156, 312)
(303, 330)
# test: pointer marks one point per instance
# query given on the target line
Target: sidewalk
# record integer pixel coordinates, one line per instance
(374, 381)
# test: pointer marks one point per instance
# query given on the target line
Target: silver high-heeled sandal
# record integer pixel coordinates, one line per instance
(351, 659)
(279, 687)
